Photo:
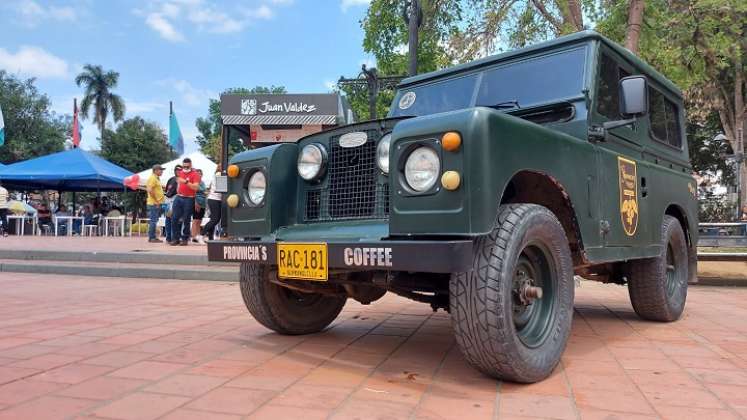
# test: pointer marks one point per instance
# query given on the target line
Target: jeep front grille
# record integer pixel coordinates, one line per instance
(352, 188)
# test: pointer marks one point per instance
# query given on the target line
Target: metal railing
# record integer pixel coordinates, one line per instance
(717, 235)
(723, 234)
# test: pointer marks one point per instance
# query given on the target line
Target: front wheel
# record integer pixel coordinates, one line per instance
(512, 312)
(284, 310)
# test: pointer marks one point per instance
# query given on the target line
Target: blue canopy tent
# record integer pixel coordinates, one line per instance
(71, 170)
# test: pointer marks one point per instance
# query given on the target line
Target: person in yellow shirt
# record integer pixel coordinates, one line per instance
(156, 201)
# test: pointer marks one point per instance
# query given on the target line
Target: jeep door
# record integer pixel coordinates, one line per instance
(622, 172)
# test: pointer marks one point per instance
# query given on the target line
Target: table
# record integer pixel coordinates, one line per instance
(69, 221)
(118, 223)
(23, 218)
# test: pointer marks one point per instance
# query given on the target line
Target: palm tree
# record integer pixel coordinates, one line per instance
(98, 85)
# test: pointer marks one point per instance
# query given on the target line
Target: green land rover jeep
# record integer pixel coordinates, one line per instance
(485, 190)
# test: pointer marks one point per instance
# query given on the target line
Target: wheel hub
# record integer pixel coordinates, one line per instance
(525, 291)
(532, 295)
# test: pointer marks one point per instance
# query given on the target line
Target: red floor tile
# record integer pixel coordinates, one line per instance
(140, 406)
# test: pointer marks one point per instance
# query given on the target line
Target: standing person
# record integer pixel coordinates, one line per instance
(156, 200)
(184, 203)
(4, 210)
(214, 200)
(200, 205)
(171, 187)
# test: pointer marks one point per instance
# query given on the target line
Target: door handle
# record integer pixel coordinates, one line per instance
(644, 188)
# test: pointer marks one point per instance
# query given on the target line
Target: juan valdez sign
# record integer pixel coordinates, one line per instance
(287, 107)
(251, 107)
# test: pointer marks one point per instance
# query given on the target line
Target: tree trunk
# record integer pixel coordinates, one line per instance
(633, 30)
(577, 17)
(570, 12)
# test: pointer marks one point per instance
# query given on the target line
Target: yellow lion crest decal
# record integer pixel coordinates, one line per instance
(628, 180)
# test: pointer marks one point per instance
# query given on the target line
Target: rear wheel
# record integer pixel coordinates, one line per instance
(512, 312)
(284, 310)
(658, 286)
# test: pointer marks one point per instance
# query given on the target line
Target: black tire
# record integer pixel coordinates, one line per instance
(658, 286)
(492, 328)
(284, 310)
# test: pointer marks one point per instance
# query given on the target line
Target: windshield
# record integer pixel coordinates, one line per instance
(533, 81)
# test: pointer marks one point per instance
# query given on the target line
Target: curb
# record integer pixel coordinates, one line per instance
(128, 272)
(134, 257)
(721, 282)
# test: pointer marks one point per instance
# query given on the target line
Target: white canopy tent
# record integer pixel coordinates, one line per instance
(199, 161)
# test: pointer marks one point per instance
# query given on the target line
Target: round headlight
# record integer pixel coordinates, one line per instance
(311, 161)
(422, 168)
(382, 153)
(257, 188)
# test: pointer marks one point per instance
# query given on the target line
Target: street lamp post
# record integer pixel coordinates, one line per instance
(413, 15)
(370, 79)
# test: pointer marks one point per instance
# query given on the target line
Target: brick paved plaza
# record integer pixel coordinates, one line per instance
(146, 349)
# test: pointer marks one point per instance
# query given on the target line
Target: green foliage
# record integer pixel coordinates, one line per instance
(31, 130)
(386, 34)
(358, 99)
(210, 126)
(136, 145)
(706, 153)
(490, 26)
(98, 85)
(715, 210)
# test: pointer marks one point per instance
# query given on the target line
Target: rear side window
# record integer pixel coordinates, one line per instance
(665, 124)
(608, 90)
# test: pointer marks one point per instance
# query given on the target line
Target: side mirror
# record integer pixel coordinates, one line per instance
(634, 96)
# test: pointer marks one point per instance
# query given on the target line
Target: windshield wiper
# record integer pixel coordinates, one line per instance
(505, 105)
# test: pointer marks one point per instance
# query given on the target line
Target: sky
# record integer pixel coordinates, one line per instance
(185, 51)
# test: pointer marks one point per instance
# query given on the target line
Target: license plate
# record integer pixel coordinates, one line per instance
(302, 261)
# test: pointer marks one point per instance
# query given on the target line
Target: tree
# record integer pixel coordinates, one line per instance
(210, 126)
(98, 85)
(136, 145)
(31, 129)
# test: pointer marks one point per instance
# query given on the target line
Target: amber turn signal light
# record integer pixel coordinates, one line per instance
(232, 171)
(450, 180)
(232, 200)
(451, 141)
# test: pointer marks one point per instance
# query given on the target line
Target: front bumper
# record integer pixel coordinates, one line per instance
(446, 256)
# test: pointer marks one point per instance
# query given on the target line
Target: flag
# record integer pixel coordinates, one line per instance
(76, 125)
(2, 128)
(176, 141)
